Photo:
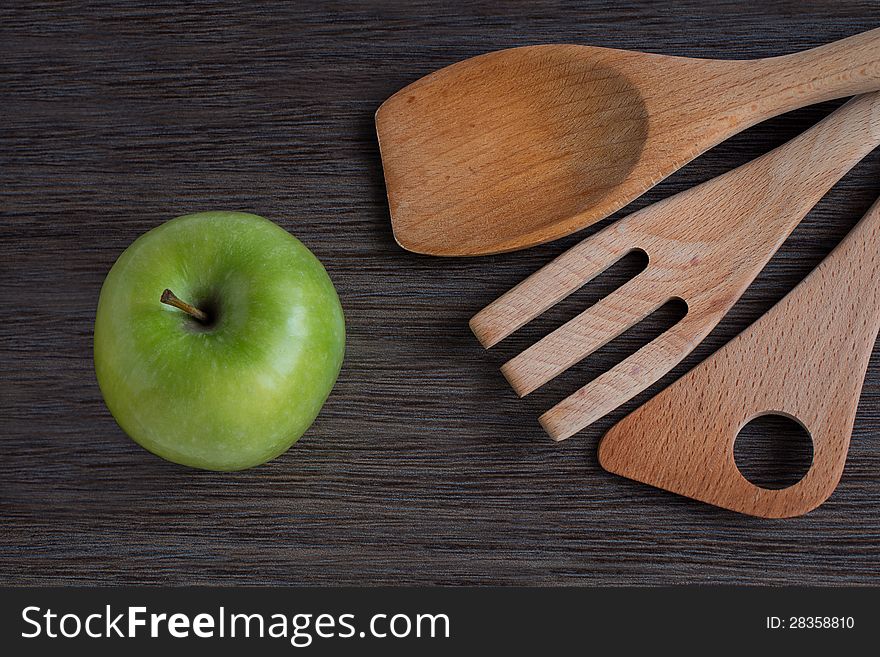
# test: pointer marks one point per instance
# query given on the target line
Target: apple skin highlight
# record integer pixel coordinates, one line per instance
(240, 388)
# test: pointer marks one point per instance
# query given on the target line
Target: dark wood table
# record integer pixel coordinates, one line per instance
(423, 468)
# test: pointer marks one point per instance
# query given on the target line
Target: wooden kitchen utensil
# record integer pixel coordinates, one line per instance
(805, 359)
(522, 146)
(704, 245)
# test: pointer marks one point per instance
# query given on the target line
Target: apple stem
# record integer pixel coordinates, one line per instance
(171, 299)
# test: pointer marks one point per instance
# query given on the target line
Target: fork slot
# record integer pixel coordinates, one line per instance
(581, 336)
(623, 381)
(545, 288)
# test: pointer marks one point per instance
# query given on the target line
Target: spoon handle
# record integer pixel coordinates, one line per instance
(847, 67)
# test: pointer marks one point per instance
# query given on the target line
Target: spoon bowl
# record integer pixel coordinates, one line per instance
(522, 146)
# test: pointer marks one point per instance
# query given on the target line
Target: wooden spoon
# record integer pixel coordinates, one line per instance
(805, 359)
(519, 147)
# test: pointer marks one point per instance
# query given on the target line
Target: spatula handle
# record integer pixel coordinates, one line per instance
(847, 67)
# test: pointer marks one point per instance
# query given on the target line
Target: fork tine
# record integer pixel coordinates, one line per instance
(623, 381)
(581, 336)
(547, 287)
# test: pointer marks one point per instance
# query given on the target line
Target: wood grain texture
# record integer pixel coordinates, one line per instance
(704, 246)
(522, 146)
(424, 467)
(805, 360)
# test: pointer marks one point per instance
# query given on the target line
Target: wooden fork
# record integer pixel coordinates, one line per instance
(704, 246)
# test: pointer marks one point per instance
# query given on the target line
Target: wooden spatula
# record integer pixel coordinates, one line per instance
(522, 146)
(805, 359)
(704, 245)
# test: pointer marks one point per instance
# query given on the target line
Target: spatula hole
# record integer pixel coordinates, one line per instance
(773, 451)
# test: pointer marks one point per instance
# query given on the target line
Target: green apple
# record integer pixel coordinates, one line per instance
(217, 340)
